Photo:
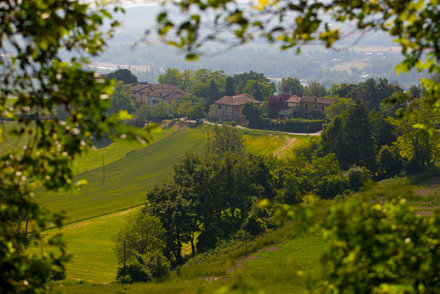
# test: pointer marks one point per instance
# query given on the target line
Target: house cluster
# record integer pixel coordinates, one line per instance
(229, 108)
(306, 107)
(154, 94)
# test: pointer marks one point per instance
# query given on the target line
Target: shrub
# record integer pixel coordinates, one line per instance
(381, 249)
(144, 268)
(330, 186)
(357, 176)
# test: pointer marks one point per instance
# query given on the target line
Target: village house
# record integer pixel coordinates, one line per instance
(306, 107)
(229, 108)
(154, 94)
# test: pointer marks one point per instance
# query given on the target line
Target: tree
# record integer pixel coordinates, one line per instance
(337, 107)
(230, 89)
(240, 80)
(141, 234)
(34, 37)
(225, 140)
(171, 76)
(342, 90)
(138, 248)
(417, 143)
(277, 103)
(213, 93)
(123, 75)
(191, 107)
(291, 86)
(121, 99)
(372, 92)
(258, 90)
(252, 112)
(177, 216)
(349, 136)
(315, 89)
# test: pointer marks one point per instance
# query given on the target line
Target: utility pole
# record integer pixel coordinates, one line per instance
(103, 169)
(124, 255)
(245, 240)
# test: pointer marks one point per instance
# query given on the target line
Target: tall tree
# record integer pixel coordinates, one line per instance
(342, 90)
(241, 80)
(349, 136)
(372, 92)
(213, 93)
(172, 76)
(258, 90)
(123, 75)
(225, 140)
(230, 88)
(291, 86)
(121, 99)
(315, 89)
(277, 103)
(419, 143)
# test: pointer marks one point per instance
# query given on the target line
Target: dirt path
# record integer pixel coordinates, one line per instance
(289, 143)
(239, 263)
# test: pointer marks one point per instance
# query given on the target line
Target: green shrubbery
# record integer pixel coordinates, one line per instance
(381, 249)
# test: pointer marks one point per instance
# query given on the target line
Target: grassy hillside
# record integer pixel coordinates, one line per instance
(92, 247)
(133, 172)
(292, 265)
(126, 180)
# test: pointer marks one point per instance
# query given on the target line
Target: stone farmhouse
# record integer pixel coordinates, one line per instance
(154, 94)
(229, 108)
(306, 107)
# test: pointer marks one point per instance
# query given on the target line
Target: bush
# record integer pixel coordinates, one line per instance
(357, 176)
(254, 225)
(132, 273)
(381, 249)
(413, 167)
(330, 186)
(144, 269)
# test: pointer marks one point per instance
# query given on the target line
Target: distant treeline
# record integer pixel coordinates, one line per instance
(292, 125)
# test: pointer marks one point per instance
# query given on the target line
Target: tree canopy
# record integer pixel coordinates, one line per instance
(123, 75)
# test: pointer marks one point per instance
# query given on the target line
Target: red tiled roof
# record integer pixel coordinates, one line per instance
(294, 99)
(237, 100)
(314, 99)
(165, 91)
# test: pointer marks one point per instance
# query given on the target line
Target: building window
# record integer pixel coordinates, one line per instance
(322, 108)
(219, 106)
(316, 106)
(154, 101)
(307, 106)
